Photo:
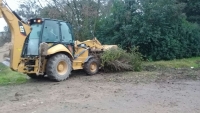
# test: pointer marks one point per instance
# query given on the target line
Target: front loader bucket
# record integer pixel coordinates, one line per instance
(108, 47)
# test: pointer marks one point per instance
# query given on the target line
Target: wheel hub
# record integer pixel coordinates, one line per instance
(93, 67)
(62, 68)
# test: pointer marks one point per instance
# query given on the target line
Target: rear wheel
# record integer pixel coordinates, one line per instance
(58, 67)
(92, 66)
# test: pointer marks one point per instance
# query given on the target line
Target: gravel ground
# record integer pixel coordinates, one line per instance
(142, 92)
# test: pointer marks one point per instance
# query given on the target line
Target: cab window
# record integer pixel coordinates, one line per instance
(66, 33)
(51, 31)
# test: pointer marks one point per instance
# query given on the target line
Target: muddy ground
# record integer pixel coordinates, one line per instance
(151, 91)
(175, 91)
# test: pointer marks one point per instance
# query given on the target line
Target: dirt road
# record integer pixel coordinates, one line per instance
(102, 93)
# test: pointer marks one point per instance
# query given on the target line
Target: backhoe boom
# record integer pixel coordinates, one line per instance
(19, 32)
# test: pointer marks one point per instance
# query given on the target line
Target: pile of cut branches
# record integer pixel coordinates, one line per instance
(120, 60)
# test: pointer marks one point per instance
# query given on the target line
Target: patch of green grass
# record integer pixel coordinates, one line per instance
(7, 76)
(178, 63)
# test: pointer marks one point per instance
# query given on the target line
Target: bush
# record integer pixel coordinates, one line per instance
(120, 60)
(160, 29)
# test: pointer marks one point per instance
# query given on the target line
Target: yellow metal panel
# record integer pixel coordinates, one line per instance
(95, 45)
(58, 48)
(17, 39)
(50, 44)
(78, 62)
(77, 65)
(44, 65)
(21, 67)
(1, 12)
(36, 67)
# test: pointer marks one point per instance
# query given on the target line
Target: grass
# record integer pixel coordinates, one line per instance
(7, 76)
(178, 63)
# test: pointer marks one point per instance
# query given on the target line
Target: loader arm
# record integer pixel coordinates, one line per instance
(19, 32)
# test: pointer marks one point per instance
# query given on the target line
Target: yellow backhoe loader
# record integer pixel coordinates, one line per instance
(47, 47)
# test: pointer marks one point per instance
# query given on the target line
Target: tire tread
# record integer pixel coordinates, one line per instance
(51, 70)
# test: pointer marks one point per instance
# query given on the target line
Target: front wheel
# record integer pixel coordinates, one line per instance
(92, 66)
(58, 67)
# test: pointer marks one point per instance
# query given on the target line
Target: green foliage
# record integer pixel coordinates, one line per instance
(163, 29)
(120, 60)
(192, 10)
(158, 27)
(7, 76)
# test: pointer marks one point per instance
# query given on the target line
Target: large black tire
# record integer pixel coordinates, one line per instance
(91, 67)
(58, 67)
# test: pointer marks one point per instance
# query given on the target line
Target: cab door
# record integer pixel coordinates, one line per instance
(51, 32)
(66, 37)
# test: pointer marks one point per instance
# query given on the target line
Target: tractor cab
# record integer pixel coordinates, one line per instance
(48, 31)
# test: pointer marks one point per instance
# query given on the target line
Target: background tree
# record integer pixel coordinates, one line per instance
(158, 27)
(192, 10)
(5, 36)
(82, 14)
(163, 29)
(29, 9)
